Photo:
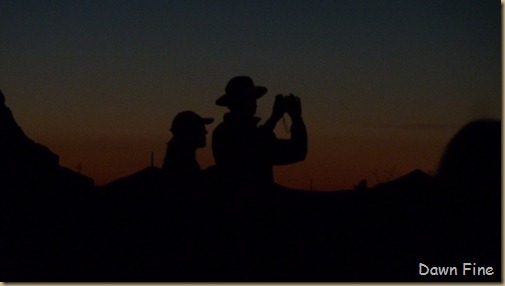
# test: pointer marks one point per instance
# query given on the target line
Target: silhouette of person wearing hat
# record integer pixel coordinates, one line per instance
(245, 152)
(180, 165)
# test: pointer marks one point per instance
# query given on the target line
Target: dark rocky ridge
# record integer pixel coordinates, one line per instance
(25, 161)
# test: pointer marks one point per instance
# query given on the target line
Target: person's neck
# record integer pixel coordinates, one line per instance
(242, 117)
(181, 147)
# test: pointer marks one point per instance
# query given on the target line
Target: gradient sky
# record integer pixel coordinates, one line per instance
(384, 84)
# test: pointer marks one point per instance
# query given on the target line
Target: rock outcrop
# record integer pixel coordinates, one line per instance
(23, 162)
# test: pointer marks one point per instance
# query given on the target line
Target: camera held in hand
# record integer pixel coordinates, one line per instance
(287, 104)
(291, 103)
(283, 102)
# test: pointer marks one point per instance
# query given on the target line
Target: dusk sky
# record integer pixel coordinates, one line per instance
(384, 85)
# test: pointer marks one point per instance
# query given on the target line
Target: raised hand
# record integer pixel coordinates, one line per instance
(279, 107)
(293, 106)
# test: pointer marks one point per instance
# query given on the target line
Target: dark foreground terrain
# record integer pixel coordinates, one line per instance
(154, 234)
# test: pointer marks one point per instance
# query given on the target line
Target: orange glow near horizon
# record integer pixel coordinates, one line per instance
(327, 168)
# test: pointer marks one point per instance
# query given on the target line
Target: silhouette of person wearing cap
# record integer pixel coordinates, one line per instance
(180, 165)
(245, 152)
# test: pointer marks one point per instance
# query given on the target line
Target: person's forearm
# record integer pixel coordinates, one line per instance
(299, 132)
(271, 122)
(297, 120)
(299, 136)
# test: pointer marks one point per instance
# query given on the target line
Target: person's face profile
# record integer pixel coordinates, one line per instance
(200, 137)
(246, 105)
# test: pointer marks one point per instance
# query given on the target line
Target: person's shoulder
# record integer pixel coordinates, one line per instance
(219, 128)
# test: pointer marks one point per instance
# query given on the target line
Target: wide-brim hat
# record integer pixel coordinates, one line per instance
(187, 120)
(239, 87)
